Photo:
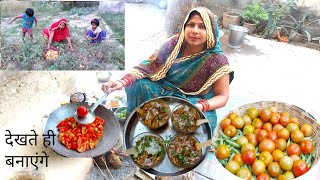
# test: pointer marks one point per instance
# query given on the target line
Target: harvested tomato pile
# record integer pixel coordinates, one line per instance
(265, 143)
(80, 137)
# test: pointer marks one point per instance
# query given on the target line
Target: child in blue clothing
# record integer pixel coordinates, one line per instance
(27, 23)
(94, 33)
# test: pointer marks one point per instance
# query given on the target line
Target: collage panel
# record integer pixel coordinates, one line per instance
(62, 35)
(198, 96)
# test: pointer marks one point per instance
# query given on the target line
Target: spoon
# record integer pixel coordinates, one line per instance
(203, 145)
(201, 121)
(90, 117)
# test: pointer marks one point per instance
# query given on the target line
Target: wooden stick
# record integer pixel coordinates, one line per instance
(203, 145)
(201, 121)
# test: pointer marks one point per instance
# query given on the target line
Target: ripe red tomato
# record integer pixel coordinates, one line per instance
(262, 134)
(306, 146)
(267, 126)
(284, 133)
(281, 144)
(284, 120)
(293, 148)
(230, 131)
(252, 138)
(263, 176)
(275, 118)
(82, 111)
(267, 145)
(225, 122)
(248, 156)
(299, 168)
(265, 115)
(272, 136)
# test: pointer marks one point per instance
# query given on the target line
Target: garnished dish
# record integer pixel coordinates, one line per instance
(154, 114)
(184, 118)
(150, 151)
(80, 137)
(182, 151)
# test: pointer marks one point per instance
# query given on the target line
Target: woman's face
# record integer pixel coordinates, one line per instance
(195, 32)
(62, 25)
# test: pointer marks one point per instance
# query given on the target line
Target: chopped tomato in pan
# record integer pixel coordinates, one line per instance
(80, 137)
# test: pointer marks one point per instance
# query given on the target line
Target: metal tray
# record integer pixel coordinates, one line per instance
(134, 127)
(109, 139)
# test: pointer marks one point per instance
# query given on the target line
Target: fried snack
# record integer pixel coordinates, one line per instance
(184, 118)
(154, 114)
(150, 150)
(182, 151)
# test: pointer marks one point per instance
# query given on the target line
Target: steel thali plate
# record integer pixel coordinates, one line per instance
(134, 127)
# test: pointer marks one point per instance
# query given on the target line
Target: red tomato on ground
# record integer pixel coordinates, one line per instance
(82, 111)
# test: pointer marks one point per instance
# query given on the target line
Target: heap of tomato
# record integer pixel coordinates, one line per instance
(80, 137)
(265, 143)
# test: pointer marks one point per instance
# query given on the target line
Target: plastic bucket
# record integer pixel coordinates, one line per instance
(236, 35)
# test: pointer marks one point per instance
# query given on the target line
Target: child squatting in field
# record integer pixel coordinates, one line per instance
(27, 23)
(94, 33)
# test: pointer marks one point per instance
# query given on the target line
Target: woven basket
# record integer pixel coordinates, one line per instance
(51, 48)
(293, 111)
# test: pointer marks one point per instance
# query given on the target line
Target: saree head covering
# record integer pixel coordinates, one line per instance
(192, 74)
(59, 34)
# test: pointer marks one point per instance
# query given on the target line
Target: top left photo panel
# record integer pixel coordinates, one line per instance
(62, 35)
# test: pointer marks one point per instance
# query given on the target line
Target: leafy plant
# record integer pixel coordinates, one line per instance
(300, 25)
(254, 14)
(277, 12)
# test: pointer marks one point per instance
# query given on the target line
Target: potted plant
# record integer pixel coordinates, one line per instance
(253, 15)
(298, 32)
(230, 17)
(277, 12)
